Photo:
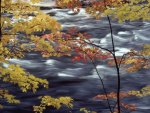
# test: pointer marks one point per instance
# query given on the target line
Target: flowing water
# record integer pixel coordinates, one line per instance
(79, 80)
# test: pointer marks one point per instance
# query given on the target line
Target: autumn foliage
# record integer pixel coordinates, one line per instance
(42, 33)
(19, 36)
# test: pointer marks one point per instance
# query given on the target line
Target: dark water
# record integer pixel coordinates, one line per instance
(79, 80)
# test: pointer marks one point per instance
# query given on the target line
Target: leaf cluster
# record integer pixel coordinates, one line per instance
(47, 101)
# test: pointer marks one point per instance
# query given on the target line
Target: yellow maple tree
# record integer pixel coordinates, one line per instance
(14, 22)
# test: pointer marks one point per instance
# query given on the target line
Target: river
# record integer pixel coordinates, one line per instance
(80, 80)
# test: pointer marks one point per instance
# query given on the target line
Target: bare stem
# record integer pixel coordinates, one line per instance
(116, 63)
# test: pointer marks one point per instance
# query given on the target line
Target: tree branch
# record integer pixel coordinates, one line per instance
(116, 63)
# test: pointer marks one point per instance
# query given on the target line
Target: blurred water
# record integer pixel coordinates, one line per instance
(79, 80)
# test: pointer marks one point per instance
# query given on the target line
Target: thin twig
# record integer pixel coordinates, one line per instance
(116, 63)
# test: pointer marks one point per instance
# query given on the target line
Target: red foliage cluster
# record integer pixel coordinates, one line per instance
(112, 95)
(88, 54)
(47, 36)
(132, 61)
(77, 42)
(84, 51)
(72, 31)
(75, 5)
(131, 107)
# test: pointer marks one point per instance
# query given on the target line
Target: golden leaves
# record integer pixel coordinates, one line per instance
(17, 75)
(132, 10)
(9, 48)
(47, 101)
(86, 111)
(18, 8)
(18, 37)
(60, 44)
(117, 9)
(134, 61)
(5, 23)
(43, 46)
(1, 106)
(135, 64)
(145, 91)
(4, 94)
(39, 23)
(35, 1)
(4, 53)
(71, 4)
(137, 60)
(146, 50)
